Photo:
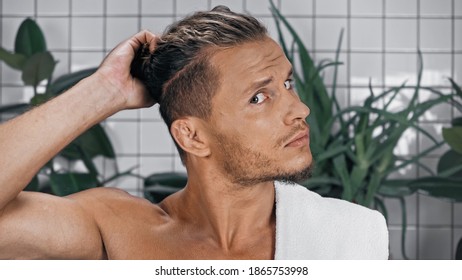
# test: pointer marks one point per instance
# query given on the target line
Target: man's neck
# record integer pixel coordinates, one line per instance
(229, 214)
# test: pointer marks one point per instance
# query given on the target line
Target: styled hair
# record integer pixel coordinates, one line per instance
(178, 74)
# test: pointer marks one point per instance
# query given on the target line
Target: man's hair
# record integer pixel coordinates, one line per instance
(178, 74)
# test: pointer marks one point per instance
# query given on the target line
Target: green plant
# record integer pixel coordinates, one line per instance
(37, 64)
(158, 186)
(354, 146)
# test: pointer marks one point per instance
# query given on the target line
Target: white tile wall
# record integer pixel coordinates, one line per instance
(435, 34)
(11, 77)
(87, 7)
(458, 34)
(395, 212)
(9, 27)
(303, 27)
(52, 7)
(437, 67)
(156, 24)
(395, 243)
(331, 7)
(119, 29)
(296, 7)
(365, 66)
(122, 7)
(260, 7)
(401, 34)
(435, 243)
(85, 60)
(400, 67)
(186, 6)
(59, 27)
(160, 7)
(128, 183)
(155, 138)
(87, 33)
(458, 8)
(381, 38)
(366, 7)
(62, 66)
(328, 32)
(399, 7)
(124, 136)
(366, 34)
(458, 67)
(458, 214)
(14, 7)
(431, 7)
(156, 164)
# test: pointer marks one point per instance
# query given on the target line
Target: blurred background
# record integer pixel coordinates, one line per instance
(381, 39)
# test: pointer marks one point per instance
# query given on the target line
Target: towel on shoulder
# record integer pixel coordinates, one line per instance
(309, 226)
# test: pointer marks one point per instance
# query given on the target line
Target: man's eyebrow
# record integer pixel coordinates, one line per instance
(264, 82)
(259, 84)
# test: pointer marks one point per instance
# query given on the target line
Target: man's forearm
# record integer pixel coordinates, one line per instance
(32, 139)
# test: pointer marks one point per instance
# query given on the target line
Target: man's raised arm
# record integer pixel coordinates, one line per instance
(29, 141)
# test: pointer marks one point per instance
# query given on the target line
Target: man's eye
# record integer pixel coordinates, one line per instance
(289, 84)
(258, 98)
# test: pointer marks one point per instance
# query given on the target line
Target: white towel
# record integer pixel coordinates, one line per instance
(309, 226)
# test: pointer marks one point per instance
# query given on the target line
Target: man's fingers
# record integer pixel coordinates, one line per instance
(146, 37)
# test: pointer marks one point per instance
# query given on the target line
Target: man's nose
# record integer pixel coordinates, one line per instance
(297, 110)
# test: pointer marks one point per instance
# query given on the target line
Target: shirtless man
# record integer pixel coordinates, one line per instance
(225, 91)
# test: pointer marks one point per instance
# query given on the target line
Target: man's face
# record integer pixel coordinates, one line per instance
(258, 121)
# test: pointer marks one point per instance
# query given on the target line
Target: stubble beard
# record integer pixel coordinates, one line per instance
(247, 167)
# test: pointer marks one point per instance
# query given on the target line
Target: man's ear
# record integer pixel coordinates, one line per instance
(190, 136)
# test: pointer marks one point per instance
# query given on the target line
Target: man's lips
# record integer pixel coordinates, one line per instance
(299, 139)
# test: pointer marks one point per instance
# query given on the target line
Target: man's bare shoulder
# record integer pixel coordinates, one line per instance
(110, 201)
(130, 227)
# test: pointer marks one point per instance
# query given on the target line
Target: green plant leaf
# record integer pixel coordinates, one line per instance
(160, 185)
(340, 167)
(453, 136)
(331, 152)
(448, 160)
(66, 81)
(415, 159)
(40, 99)
(173, 179)
(457, 121)
(396, 188)
(33, 186)
(37, 68)
(456, 87)
(93, 142)
(402, 202)
(447, 188)
(372, 188)
(458, 255)
(14, 60)
(69, 183)
(14, 108)
(320, 181)
(29, 39)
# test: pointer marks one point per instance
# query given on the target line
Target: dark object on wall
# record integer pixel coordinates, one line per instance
(459, 250)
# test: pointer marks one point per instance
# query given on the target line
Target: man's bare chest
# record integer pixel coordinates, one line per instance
(164, 242)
